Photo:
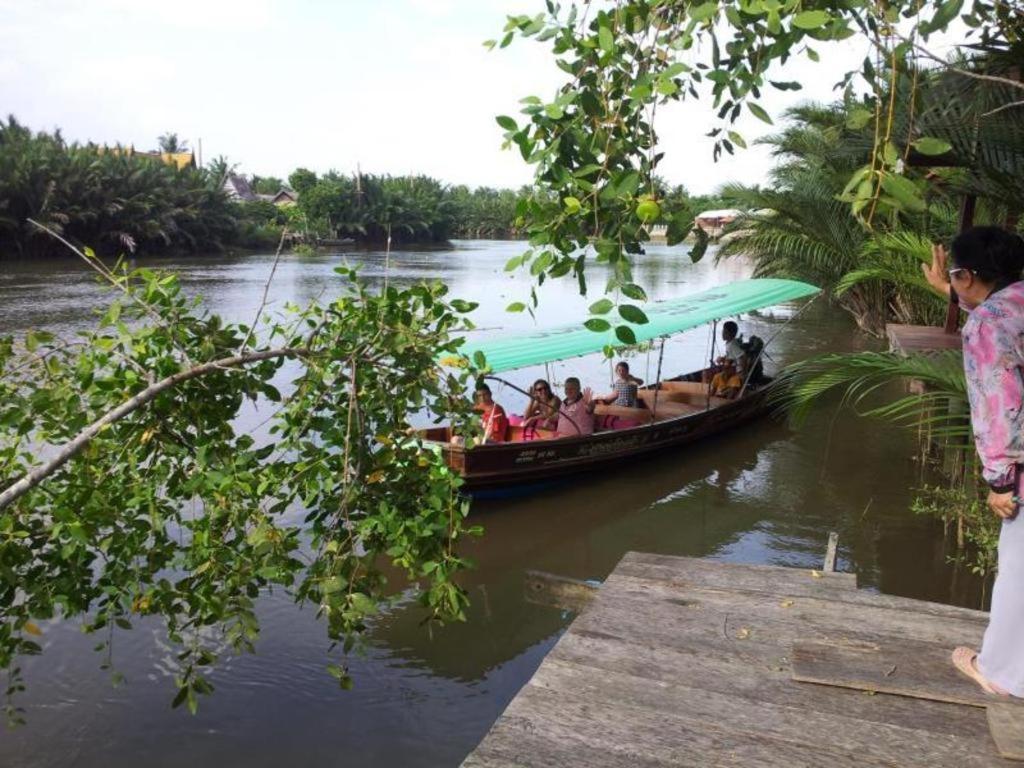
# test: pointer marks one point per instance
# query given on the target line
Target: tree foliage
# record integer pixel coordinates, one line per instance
(594, 146)
(797, 226)
(128, 488)
(106, 198)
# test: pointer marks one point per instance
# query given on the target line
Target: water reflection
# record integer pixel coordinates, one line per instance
(761, 494)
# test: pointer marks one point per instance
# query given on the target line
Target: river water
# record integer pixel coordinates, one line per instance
(765, 494)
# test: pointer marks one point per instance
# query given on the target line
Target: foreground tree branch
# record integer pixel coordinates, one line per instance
(72, 448)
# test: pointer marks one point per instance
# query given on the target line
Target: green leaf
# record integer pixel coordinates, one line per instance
(605, 39)
(813, 55)
(180, 697)
(601, 307)
(759, 112)
(572, 205)
(947, 11)
(736, 139)
(928, 145)
(506, 122)
(904, 191)
(858, 118)
(554, 111)
(625, 334)
(597, 324)
(464, 306)
(811, 19)
(634, 291)
(515, 306)
(633, 314)
(704, 11)
(890, 154)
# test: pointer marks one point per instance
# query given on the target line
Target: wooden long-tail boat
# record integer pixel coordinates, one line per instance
(671, 413)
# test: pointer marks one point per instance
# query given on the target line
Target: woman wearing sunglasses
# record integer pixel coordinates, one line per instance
(985, 276)
(542, 410)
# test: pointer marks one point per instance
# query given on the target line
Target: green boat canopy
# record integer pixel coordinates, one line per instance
(665, 318)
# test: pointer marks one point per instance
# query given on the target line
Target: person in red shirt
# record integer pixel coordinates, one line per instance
(493, 415)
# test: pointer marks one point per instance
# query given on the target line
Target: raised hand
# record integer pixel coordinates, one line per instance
(936, 274)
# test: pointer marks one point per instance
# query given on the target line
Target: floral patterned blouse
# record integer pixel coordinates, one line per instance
(994, 366)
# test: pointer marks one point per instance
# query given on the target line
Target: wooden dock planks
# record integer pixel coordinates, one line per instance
(687, 662)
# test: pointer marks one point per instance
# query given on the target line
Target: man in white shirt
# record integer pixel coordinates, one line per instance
(733, 347)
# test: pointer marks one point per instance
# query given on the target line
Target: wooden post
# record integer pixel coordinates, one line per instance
(562, 592)
(830, 553)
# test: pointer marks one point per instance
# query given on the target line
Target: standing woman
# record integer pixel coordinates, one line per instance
(986, 275)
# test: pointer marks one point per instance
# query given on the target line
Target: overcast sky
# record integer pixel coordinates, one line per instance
(397, 86)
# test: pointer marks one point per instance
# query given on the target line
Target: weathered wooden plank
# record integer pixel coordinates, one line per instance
(625, 702)
(1006, 722)
(906, 668)
(514, 743)
(558, 591)
(763, 578)
(786, 618)
(831, 551)
(632, 736)
(731, 670)
(837, 587)
(632, 699)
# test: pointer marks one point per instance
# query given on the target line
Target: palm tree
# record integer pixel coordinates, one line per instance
(169, 142)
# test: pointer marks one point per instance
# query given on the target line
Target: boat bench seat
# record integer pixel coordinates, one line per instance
(689, 387)
(680, 403)
(670, 410)
(697, 401)
(641, 415)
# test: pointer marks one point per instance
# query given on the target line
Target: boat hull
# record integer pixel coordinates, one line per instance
(502, 466)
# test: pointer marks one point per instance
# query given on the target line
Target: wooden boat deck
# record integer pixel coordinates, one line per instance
(907, 339)
(687, 662)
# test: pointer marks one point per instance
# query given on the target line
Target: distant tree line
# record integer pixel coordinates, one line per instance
(103, 198)
(118, 201)
(408, 208)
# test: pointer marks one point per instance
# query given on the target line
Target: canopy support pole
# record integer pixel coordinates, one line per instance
(714, 343)
(657, 384)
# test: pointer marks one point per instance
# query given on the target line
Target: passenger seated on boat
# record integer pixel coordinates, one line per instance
(734, 349)
(624, 388)
(576, 415)
(493, 415)
(727, 382)
(542, 410)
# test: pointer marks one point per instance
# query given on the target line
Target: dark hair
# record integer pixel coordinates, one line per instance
(624, 364)
(730, 325)
(572, 380)
(993, 254)
(481, 387)
(543, 383)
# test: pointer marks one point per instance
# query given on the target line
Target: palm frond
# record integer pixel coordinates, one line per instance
(861, 378)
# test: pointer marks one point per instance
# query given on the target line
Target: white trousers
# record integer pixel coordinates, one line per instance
(1002, 652)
